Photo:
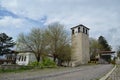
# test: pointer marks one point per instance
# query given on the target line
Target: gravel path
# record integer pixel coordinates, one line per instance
(91, 72)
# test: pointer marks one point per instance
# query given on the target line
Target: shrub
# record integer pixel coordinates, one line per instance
(45, 63)
(48, 62)
(34, 64)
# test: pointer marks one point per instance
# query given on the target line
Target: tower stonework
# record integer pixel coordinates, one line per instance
(80, 45)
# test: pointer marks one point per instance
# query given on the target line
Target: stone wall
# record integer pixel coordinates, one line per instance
(10, 67)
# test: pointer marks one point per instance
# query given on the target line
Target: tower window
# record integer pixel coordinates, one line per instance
(73, 31)
(83, 30)
(79, 30)
(86, 31)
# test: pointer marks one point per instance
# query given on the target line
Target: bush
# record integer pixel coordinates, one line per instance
(48, 62)
(34, 64)
(45, 63)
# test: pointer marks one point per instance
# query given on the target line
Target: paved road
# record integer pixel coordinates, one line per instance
(91, 72)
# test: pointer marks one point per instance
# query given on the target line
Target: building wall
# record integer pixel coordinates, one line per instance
(77, 48)
(85, 49)
(25, 58)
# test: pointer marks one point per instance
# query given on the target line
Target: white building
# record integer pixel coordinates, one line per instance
(25, 58)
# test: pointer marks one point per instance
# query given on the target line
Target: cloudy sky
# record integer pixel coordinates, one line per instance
(101, 16)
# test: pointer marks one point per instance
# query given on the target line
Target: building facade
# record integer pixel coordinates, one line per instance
(80, 45)
(25, 58)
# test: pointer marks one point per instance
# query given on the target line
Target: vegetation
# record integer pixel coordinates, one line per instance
(45, 63)
(6, 43)
(98, 45)
(118, 51)
(34, 42)
(65, 56)
(52, 41)
(103, 42)
(94, 47)
(58, 43)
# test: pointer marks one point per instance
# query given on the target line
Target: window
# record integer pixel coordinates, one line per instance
(73, 31)
(19, 58)
(78, 29)
(22, 58)
(83, 30)
(25, 58)
(86, 31)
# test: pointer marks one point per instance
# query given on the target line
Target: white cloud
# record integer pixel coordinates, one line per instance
(11, 22)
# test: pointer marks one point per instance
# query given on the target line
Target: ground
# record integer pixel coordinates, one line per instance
(87, 72)
(115, 74)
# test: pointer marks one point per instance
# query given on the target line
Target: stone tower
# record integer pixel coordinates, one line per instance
(80, 45)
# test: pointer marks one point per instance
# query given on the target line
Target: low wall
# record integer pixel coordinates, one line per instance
(10, 67)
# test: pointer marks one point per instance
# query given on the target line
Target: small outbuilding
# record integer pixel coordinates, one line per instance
(24, 58)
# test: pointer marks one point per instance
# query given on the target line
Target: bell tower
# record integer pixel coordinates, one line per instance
(80, 45)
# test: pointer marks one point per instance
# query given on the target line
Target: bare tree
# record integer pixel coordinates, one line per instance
(57, 39)
(34, 41)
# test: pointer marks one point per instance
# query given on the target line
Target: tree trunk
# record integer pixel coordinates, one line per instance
(38, 57)
(54, 58)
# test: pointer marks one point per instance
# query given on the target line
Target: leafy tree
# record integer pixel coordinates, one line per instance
(103, 42)
(94, 47)
(6, 43)
(65, 55)
(34, 41)
(57, 39)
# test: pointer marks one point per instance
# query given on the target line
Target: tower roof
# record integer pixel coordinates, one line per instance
(80, 25)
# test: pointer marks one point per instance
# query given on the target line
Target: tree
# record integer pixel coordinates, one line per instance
(65, 55)
(34, 41)
(57, 39)
(94, 47)
(103, 42)
(6, 43)
(118, 51)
